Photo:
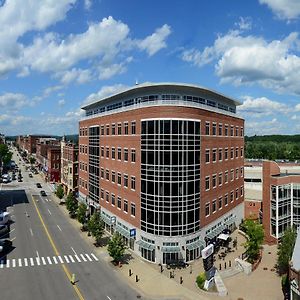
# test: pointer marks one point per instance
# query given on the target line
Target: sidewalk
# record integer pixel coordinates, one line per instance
(261, 284)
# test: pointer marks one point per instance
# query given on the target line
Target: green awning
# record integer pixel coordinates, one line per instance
(106, 219)
(145, 245)
(170, 249)
(195, 245)
(123, 231)
(230, 220)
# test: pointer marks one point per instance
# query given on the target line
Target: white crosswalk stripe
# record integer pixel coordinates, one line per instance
(47, 260)
(94, 256)
(88, 257)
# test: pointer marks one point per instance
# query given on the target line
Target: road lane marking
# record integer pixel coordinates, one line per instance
(108, 298)
(58, 227)
(94, 256)
(49, 260)
(13, 263)
(43, 260)
(76, 256)
(88, 257)
(37, 254)
(20, 262)
(31, 231)
(82, 256)
(13, 239)
(71, 258)
(31, 261)
(66, 258)
(49, 212)
(55, 260)
(73, 250)
(25, 262)
(38, 261)
(46, 199)
(61, 260)
(13, 230)
(68, 274)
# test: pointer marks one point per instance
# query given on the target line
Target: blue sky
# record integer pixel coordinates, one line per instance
(56, 56)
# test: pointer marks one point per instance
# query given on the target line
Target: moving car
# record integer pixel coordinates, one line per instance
(5, 244)
(43, 193)
(38, 185)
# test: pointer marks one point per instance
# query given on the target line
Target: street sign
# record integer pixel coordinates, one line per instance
(207, 251)
(113, 220)
(132, 232)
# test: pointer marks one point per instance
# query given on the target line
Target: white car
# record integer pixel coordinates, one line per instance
(5, 178)
(4, 217)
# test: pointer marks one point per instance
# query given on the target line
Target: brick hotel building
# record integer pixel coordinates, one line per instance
(164, 163)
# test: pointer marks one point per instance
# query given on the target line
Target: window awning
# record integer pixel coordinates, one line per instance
(170, 249)
(230, 221)
(195, 245)
(106, 219)
(123, 231)
(216, 231)
(145, 245)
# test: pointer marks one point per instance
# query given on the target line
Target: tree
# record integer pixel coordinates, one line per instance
(285, 250)
(96, 227)
(32, 160)
(81, 213)
(5, 155)
(72, 205)
(116, 247)
(255, 234)
(60, 192)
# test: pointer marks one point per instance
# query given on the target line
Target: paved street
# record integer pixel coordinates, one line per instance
(47, 250)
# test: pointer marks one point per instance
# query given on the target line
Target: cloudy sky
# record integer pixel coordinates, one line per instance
(56, 56)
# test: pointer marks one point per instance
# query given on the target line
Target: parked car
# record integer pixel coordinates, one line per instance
(38, 185)
(4, 229)
(5, 178)
(5, 244)
(30, 175)
(43, 193)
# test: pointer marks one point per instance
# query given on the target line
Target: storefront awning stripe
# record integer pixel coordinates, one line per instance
(145, 245)
(170, 249)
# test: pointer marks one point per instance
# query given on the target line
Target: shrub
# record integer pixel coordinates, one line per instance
(200, 280)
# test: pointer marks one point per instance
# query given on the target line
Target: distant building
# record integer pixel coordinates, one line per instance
(53, 164)
(69, 166)
(28, 143)
(165, 162)
(294, 270)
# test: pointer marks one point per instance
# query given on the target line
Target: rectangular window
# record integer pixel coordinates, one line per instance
(102, 173)
(231, 175)
(133, 127)
(125, 154)
(231, 196)
(226, 199)
(132, 209)
(125, 205)
(242, 151)
(132, 155)
(231, 153)
(102, 194)
(220, 178)
(113, 152)
(113, 129)
(236, 131)
(220, 129)
(119, 203)
(242, 191)
(214, 129)
(206, 209)
(226, 130)
(133, 182)
(220, 154)
(113, 176)
(207, 155)
(236, 152)
(226, 177)
(236, 194)
(214, 155)
(226, 154)
(242, 131)
(207, 126)
(214, 181)
(119, 179)
(119, 153)
(125, 180)
(119, 128)
(113, 199)
(102, 151)
(207, 179)
(126, 128)
(107, 129)
(102, 129)
(214, 206)
(107, 196)
(231, 130)
(107, 152)
(237, 173)
(107, 174)
(220, 202)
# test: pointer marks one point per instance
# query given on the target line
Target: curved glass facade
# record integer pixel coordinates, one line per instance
(170, 177)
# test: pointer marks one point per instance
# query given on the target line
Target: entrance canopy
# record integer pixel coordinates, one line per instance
(223, 237)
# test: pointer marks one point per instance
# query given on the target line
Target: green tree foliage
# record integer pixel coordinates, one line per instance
(255, 233)
(72, 205)
(5, 154)
(81, 213)
(96, 227)
(200, 280)
(60, 192)
(285, 250)
(116, 247)
(32, 160)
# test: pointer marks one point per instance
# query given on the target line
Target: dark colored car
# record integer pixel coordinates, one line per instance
(43, 193)
(38, 185)
(30, 175)
(5, 244)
